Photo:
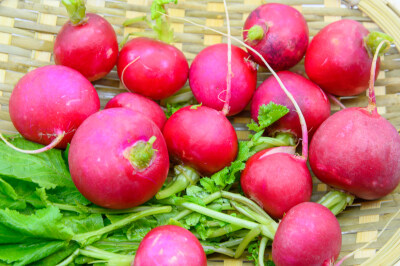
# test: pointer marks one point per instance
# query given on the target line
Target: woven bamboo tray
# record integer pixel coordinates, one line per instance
(28, 28)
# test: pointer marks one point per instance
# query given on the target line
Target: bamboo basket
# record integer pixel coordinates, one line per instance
(28, 29)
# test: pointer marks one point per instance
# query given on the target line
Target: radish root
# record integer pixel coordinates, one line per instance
(290, 96)
(225, 109)
(54, 143)
(371, 92)
(123, 71)
(335, 100)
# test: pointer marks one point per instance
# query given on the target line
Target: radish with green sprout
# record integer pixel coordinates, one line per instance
(118, 158)
(87, 42)
(339, 58)
(209, 83)
(313, 103)
(279, 33)
(357, 150)
(141, 104)
(49, 103)
(170, 245)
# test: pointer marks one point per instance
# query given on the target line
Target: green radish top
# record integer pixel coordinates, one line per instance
(76, 11)
(161, 28)
(374, 39)
(141, 153)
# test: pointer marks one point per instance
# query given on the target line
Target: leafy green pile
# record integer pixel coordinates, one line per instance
(44, 220)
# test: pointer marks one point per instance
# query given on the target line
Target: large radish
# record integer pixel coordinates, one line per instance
(87, 42)
(49, 103)
(118, 158)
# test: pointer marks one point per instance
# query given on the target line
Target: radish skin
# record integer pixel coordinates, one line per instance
(202, 138)
(309, 234)
(141, 104)
(50, 101)
(313, 103)
(170, 245)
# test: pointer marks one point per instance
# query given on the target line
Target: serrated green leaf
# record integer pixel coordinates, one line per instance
(267, 115)
(44, 224)
(157, 7)
(9, 198)
(31, 251)
(172, 108)
(192, 219)
(66, 195)
(47, 169)
(83, 223)
(208, 184)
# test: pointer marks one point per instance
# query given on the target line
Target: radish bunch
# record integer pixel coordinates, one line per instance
(121, 157)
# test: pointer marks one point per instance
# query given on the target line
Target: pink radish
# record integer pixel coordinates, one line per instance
(275, 173)
(357, 150)
(338, 72)
(170, 245)
(208, 78)
(202, 138)
(49, 103)
(152, 68)
(313, 103)
(118, 158)
(309, 234)
(87, 43)
(139, 104)
(277, 32)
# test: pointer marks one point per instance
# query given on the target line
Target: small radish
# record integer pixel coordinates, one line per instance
(49, 103)
(202, 138)
(277, 180)
(313, 103)
(338, 59)
(208, 78)
(170, 245)
(279, 33)
(87, 42)
(118, 158)
(140, 104)
(152, 68)
(357, 150)
(309, 234)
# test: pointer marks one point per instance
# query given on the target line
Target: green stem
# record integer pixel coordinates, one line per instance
(76, 11)
(263, 245)
(206, 200)
(208, 249)
(185, 176)
(281, 139)
(253, 233)
(111, 258)
(373, 40)
(70, 258)
(229, 219)
(247, 202)
(95, 210)
(182, 96)
(255, 216)
(232, 243)
(85, 238)
(255, 33)
(229, 228)
(141, 153)
(336, 201)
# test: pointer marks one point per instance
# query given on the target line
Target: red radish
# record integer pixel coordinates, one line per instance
(51, 101)
(312, 100)
(357, 150)
(208, 78)
(275, 173)
(279, 33)
(309, 234)
(86, 43)
(170, 245)
(152, 68)
(338, 60)
(202, 138)
(118, 158)
(140, 104)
